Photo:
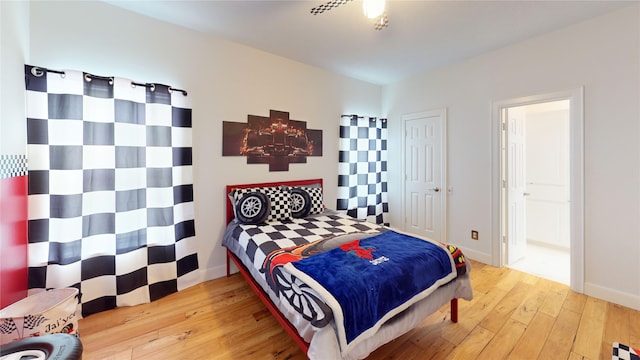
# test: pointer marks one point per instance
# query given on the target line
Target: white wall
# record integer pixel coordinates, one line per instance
(225, 81)
(603, 55)
(14, 39)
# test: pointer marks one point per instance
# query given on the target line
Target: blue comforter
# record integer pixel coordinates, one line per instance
(368, 281)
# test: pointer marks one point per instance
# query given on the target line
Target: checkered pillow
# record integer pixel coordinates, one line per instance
(279, 198)
(315, 193)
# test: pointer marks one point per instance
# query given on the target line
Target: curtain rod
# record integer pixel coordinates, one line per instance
(39, 71)
(362, 117)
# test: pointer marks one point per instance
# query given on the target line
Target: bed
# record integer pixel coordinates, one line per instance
(286, 244)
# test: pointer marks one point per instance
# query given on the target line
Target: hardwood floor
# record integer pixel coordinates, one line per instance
(513, 315)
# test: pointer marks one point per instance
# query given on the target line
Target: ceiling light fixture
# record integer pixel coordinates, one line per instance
(373, 8)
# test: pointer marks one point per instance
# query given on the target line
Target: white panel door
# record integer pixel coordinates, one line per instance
(516, 184)
(423, 196)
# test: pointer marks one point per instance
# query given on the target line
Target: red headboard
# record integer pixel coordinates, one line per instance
(243, 186)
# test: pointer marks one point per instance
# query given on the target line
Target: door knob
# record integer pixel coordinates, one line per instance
(526, 194)
(436, 189)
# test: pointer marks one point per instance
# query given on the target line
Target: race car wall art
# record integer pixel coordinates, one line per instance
(275, 140)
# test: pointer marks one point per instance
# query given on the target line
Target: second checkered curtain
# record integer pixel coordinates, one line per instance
(362, 168)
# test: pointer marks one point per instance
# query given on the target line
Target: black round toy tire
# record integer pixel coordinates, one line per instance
(252, 208)
(53, 346)
(300, 203)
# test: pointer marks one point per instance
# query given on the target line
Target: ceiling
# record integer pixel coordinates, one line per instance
(422, 35)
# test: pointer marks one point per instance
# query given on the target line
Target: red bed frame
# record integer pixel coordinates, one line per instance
(290, 329)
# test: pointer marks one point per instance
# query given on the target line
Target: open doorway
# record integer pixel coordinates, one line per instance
(556, 176)
(546, 190)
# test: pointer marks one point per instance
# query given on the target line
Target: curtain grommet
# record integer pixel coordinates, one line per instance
(37, 72)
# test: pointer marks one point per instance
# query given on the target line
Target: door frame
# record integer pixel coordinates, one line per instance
(442, 115)
(576, 177)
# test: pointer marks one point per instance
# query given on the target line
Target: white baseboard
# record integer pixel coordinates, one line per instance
(201, 275)
(217, 272)
(477, 256)
(611, 295)
(191, 279)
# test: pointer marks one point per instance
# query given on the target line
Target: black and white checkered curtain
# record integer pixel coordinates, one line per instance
(110, 188)
(362, 168)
